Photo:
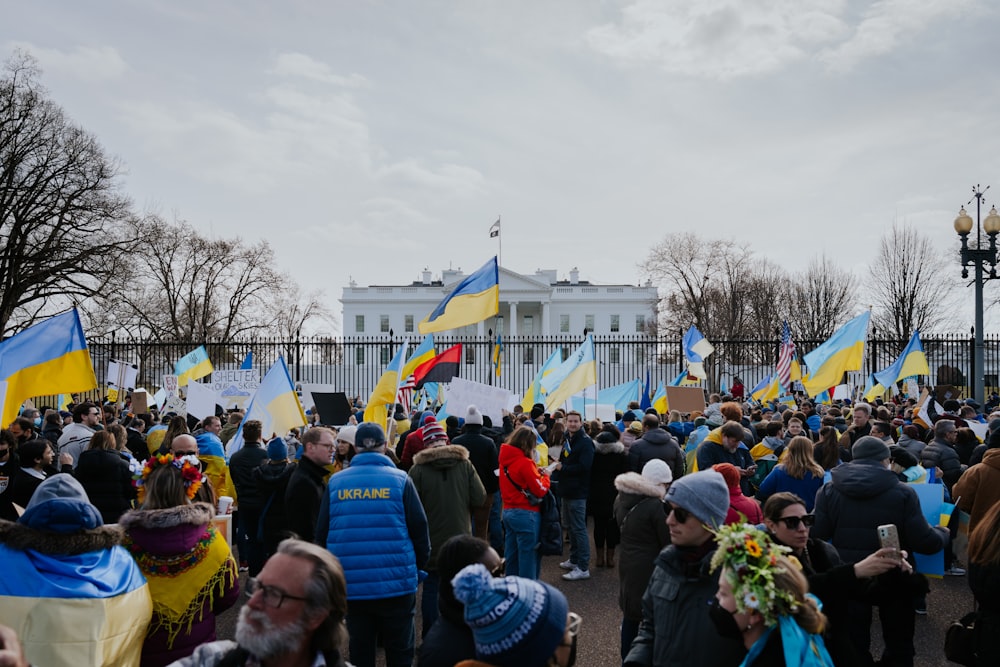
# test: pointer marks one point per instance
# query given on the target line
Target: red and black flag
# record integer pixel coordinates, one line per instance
(441, 368)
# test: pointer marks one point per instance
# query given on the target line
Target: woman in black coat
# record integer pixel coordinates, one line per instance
(106, 477)
(610, 461)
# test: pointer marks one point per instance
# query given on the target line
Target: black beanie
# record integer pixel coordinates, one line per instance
(537, 410)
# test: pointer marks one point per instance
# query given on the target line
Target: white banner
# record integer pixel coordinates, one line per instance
(201, 399)
(491, 401)
(235, 388)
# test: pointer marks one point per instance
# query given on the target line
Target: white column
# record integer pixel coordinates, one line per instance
(545, 318)
(512, 329)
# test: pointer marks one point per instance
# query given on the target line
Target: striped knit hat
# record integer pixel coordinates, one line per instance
(515, 621)
(433, 431)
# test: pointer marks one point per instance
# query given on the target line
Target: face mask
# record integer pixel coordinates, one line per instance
(38, 422)
(723, 620)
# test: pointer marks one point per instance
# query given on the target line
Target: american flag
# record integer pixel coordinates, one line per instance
(785, 357)
(405, 394)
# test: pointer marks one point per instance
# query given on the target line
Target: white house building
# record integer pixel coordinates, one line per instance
(537, 304)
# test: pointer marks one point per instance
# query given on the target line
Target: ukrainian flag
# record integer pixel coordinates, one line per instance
(660, 399)
(696, 349)
(423, 352)
(193, 365)
(911, 361)
(844, 351)
(50, 357)
(769, 392)
(275, 405)
(386, 389)
(473, 300)
(535, 393)
(873, 389)
(498, 355)
(575, 374)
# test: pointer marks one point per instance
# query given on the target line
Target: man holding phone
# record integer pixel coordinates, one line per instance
(863, 495)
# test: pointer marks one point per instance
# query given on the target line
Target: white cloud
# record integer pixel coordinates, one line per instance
(887, 24)
(85, 63)
(301, 65)
(719, 38)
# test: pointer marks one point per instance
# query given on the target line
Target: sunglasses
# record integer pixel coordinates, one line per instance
(792, 522)
(681, 515)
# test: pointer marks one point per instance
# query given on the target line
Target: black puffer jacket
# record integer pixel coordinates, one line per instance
(303, 498)
(483, 453)
(272, 480)
(862, 496)
(656, 443)
(241, 467)
(609, 462)
(106, 478)
(939, 453)
(639, 513)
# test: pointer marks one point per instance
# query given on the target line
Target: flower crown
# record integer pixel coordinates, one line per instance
(751, 560)
(188, 465)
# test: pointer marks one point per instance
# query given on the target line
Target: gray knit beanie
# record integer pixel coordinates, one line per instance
(703, 494)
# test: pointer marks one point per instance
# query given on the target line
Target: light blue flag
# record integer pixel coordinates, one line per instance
(247, 362)
(911, 361)
(696, 349)
(275, 404)
(619, 396)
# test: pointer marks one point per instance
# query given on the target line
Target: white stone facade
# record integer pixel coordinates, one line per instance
(530, 305)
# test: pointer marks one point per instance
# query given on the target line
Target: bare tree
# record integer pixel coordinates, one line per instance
(906, 286)
(293, 311)
(820, 299)
(63, 221)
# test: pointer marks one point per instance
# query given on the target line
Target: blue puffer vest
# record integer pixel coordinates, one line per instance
(368, 530)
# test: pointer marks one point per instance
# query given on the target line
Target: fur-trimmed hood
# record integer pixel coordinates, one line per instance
(633, 482)
(195, 514)
(451, 453)
(20, 537)
(614, 447)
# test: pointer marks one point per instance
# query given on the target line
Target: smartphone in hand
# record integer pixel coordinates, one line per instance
(888, 538)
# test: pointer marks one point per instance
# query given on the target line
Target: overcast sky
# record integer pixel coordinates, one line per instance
(372, 139)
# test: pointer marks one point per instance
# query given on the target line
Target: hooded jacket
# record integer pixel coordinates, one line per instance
(107, 479)
(862, 496)
(70, 591)
(524, 473)
(449, 488)
(941, 454)
(483, 455)
(191, 572)
(644, 533)
(656, 443)
(979, 488)
(610, 461)
(272, 479)
(676, 629)
(572, 480)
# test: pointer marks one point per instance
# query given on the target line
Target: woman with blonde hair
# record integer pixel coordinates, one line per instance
(763, 598)
(190, 570)
(797, 473)
(984, 580)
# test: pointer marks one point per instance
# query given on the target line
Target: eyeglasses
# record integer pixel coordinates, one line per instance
(681, 515)
(94, 414)
(498, 571)
(792, 522)
(573, 627)
(272, 597)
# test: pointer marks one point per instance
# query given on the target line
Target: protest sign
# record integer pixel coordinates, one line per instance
(931, 498)
(604, 413)
(201, 399)
(140, 402)
(334, 408)
(686, 399)
(235, 387)
(170, 385)
(122, 375)
(176, 405)
(491, 401)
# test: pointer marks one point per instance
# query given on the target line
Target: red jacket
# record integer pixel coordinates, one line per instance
(740, 504)
(524, 472)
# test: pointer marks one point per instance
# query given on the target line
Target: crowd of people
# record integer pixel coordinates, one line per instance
(741, 534)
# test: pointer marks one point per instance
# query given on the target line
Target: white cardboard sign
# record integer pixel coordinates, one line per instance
(491, 401)
(200, 399)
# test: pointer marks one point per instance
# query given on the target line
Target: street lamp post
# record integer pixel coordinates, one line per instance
(977, 258)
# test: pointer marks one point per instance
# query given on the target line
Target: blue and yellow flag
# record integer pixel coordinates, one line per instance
(386, 389)
(421, 353)
(275, 404)
(911, 361)
(696, 349)
(535, 394)
(498, 355)
(473, 300)
(575, 374)
(192, 366)
(660, 399)
(842, 352)
(50, 357)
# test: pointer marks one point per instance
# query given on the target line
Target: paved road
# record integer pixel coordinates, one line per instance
(596, 600)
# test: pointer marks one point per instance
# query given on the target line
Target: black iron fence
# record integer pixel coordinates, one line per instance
(354, 365)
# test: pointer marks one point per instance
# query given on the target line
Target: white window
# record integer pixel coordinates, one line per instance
(359, 356)
(528, 323)
(640, 323)
(588, 322)
(359, 323)
(564, 324)
(615, 324)
(384, 355)
(383, 323)
(408, 323)
(614, 355)
(529, 355)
